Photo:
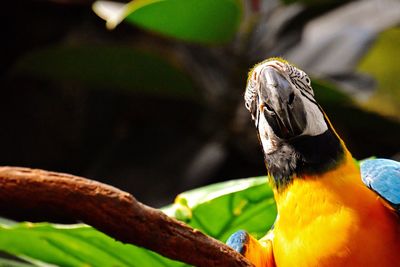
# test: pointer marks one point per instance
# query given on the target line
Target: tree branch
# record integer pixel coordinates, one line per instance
(112, 211)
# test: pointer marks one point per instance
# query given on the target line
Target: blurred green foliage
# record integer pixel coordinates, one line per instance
(326, 94)
(382, 62)
(111, 66)
(200, 21)
(203, 21)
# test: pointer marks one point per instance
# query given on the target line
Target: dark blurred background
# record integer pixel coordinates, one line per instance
(155, 113)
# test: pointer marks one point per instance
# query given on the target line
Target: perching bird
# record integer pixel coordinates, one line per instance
(331, 212)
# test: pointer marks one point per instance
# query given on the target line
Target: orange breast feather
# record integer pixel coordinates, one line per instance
(334, 220)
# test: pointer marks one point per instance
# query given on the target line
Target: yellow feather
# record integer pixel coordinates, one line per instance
(334, 220)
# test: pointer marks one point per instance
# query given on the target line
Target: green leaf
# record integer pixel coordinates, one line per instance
(74, 245)
(218, 210)
(12, 263)
(202, 21)
(221, 209)
(106, 67)
(4, 221)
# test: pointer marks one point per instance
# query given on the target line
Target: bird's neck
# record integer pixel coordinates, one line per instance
(325, 191)
(337, 185)
(305, 156)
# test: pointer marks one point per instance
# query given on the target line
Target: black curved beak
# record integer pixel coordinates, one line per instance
(281, 106)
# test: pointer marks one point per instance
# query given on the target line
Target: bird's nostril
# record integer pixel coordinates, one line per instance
(291, 98)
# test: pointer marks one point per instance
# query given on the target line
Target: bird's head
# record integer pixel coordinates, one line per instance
(294, 132)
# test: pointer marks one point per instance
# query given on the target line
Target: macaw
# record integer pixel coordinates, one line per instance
(331, 211)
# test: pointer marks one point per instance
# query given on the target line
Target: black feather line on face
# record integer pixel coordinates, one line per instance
(310, 98)
(303, 86)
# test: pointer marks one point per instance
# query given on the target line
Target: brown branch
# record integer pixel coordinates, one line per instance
(113, 212)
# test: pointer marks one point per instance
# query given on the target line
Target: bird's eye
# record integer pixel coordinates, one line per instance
(308, 81)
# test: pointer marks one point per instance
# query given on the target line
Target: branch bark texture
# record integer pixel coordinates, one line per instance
(111, 211)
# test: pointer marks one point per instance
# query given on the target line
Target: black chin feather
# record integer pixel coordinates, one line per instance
(281, 165)
(304, 155)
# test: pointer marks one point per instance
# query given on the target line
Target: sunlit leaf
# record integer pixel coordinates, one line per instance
(203, 21)
(221, 209)
(218, 210)
(12, 263)
(115, 12)
(74, 245)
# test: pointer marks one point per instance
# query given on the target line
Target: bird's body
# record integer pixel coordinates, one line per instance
(327, 216)
(334, 220)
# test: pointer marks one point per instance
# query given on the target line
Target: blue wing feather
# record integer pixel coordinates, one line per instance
(238, 241)
(383, 177)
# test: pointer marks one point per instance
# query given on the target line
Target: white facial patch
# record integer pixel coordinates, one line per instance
(316, 124)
